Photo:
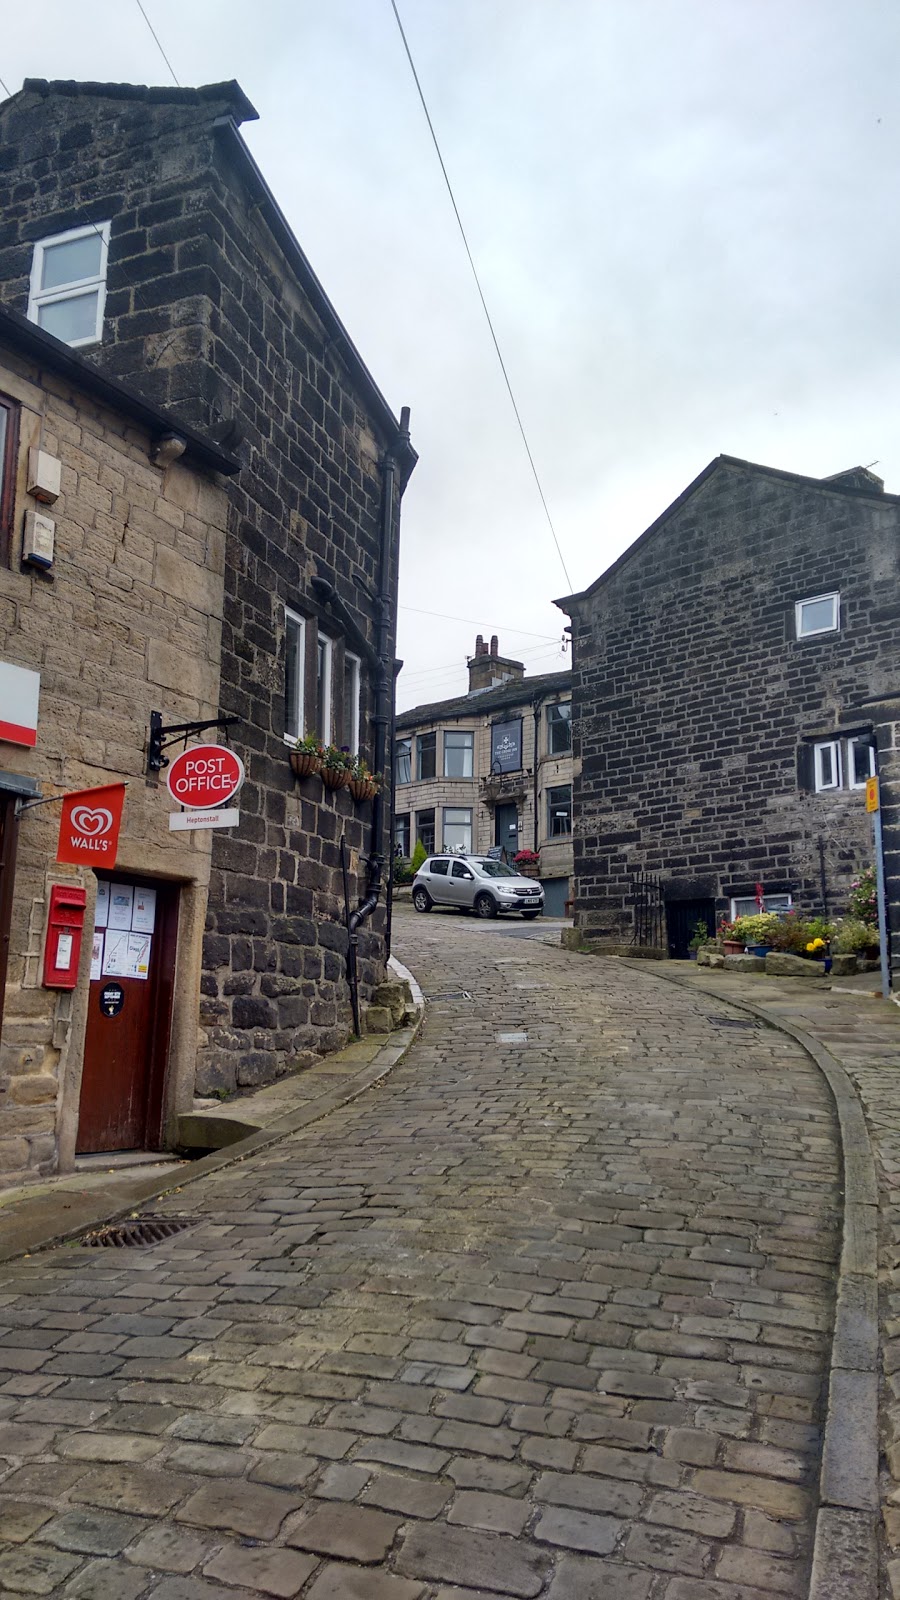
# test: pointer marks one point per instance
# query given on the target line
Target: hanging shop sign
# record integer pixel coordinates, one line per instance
(89, 826)
(181, 821)
(204, 776)
(506, 746)
(19, 691)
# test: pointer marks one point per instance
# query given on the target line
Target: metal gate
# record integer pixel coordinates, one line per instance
(648, 911)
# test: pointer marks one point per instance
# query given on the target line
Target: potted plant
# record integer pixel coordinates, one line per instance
(306, 755)
(759, 931)
(528, 862)
(337, 766)
(363, 783)
(729, 937)
(699, 938)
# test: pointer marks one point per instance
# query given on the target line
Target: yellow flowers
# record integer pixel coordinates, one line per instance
(816, 944)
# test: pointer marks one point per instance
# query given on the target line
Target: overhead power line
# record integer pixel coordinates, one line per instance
(4, 88)
(158, 45)
(434, 140)
(503, 627)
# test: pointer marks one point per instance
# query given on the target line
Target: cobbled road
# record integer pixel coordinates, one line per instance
(547, 1313)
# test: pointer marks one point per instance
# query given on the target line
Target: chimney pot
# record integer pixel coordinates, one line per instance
(495, 645)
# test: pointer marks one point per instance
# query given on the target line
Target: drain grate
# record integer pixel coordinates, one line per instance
(451, 994)
(137, 1231)
(733, 1022)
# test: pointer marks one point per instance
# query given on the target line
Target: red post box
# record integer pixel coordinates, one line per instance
(65, 928)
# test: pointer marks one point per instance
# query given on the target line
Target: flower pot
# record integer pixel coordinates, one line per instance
(732, 947)
(758, 949)
(692, 955)
(529, 869)
(362, 788)
(335, 777)
(304, 764)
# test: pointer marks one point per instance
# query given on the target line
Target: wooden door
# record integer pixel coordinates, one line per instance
(506, 829)
(129, 1015)
(682, 917)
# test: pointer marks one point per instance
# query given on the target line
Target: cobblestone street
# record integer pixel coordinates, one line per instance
(547, 1313)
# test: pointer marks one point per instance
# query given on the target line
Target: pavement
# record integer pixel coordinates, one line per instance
(546, 1311)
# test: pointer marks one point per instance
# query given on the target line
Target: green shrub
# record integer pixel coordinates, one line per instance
(419, 855)
(855, 937)
(760, 928)
(794, 933)
(404, 871)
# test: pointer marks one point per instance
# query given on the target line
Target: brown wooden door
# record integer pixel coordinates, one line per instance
(129, 1016)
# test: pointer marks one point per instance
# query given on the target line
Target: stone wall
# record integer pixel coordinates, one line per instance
(693, 695)
(129, 622)
(213, 312)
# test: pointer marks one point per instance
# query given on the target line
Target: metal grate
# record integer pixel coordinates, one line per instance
(733, 1022)
(137, 1231)
(451, 994)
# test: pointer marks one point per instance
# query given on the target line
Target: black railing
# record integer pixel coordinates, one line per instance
(648, 911)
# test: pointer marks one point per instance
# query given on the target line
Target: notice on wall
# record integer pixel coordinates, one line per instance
(138, 955)
(115, 955)
(121, 901)
(143, 912)
(101, 914)
(97, 957)
(64, 952)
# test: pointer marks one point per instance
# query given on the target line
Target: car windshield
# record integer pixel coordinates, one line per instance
(496, 869)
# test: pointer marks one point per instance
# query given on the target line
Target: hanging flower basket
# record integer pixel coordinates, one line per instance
(304, 763)
(335, 777)
(362, 788)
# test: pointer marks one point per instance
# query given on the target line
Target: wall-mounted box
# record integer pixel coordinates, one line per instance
(38, 540)
(44, 475)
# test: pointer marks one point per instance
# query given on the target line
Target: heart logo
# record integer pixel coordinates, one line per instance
(91, 823)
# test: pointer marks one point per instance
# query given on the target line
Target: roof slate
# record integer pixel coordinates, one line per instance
(521, 692)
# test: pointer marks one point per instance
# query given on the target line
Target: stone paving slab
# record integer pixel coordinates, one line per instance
(538, 1318)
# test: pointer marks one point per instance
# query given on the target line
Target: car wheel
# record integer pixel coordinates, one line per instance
(485, 906)
(529, 916)
(422, 900)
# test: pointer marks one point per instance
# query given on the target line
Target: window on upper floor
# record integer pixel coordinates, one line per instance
(458, 754)
(426, 755)
(350, 702)
(324, 660)
(821, 614)
(9, 437)
(294, 650)
(559, 728)
(559, 811)
(68, 283)
(403, 761)
(837, 764)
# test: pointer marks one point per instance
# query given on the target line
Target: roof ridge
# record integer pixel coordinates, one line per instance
(229, 90)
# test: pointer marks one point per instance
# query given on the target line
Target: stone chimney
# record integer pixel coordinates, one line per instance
(487, 668)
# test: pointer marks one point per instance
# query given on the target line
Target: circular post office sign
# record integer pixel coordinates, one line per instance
(205, 775)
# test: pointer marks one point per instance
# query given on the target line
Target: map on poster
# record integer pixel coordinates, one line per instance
(126, 955)
(97, 957)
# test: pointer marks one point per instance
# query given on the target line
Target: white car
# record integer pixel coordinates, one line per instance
(476, 883)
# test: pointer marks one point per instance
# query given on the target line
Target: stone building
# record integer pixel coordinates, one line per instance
(735, 683)
(113, 610)
(137, 226)
(491, 767)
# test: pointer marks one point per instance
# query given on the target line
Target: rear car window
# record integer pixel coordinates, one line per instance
(439, 867)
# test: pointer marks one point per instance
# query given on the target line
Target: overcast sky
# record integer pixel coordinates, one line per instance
(684, 213)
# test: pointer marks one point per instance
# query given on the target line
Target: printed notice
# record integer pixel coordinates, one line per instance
(138, 955)
(115, 955)
(97, 957)
(101, 915)
(121, 899)
(64, 952)
(143, 913)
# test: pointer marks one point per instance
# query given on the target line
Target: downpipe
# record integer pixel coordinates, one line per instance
(381, 719)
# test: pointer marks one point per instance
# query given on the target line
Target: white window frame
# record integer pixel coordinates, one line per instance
(785, 903)
(837, 766)
(851, 782)
(559, 705)
(460, 733)
(355, 663)
(817, 600)
(293, 618)
(38, 297)
(463, 849)
(323, 712)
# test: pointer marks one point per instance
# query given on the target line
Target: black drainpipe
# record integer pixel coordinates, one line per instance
(536, 707)
(381, 716)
